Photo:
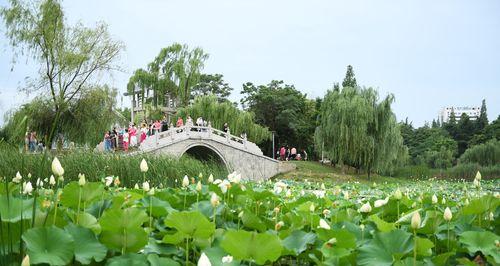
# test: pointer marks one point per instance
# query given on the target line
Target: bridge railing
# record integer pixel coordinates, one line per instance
(176, 133)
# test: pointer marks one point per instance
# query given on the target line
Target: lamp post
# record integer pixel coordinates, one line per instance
(274, 154)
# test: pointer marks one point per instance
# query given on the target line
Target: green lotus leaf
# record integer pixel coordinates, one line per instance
(128, 240)
(12, 208)
(50, 245)
(128, 260)
(424, 246)
(385, 248)
(190, 224)
(481, 241)
(297, 241)
(215, 255)
(156, 260)
(88, 248)
(382, 225)
(116, 220)
(244, 245)
(91, 191)
(251, 221)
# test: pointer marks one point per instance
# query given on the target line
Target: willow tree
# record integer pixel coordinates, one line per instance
(175, 70)
(218, 113)
(68, 57)
(358, 130)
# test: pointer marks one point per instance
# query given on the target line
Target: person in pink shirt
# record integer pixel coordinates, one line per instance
(144, 131)
(125, 140)
(282, 153)
(132, 131)
(157, 126)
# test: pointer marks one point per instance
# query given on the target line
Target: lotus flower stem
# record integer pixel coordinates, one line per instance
(448, 238)
(185, 195)
(150, 211)
(79, 201)
(414, 247)
(187, 251)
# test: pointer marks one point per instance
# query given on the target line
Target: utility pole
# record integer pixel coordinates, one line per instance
(274, 154)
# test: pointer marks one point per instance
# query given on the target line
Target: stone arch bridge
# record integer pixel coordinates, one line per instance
(237, 154)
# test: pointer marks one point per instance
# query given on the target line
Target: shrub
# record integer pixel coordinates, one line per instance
(487, 154)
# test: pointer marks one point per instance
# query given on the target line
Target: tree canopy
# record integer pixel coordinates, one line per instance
(358, 130)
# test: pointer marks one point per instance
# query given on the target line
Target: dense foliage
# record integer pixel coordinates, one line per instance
(487, 154)
(233, 222)
(212, 85)
(218, 113)
(82, 121)
(284, 110)
(358, 130)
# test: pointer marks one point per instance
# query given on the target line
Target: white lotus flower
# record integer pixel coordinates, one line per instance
(434, 199)
(198, 186)
(447, 214)
(214, 200)
(476, 183)
(108, 180)
(81, 180)
(236, 179)
(227, 259)
(52, 180)
(144, 166)
(18, 178)
(224, 185)
(151, 192)
(57, 168)
(326, 212)
(443, 201)
(279, 187)
(323, 186)
(204, 261)
(39, 182)
(380, 202)
(185, 181)
(366, 208)
(332, 241)
(211, 179)
(415, 220)
(323, 224)
(145, 186)
(362, 227)
(27, 188)
(136, 186)
(217, 181)
(319, 193)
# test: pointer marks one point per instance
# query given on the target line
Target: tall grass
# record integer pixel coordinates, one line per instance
(163, 170)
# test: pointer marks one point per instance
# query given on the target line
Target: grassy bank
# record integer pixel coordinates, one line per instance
(162, 169)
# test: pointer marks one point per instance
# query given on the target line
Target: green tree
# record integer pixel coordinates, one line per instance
(175, 70)
(350, 79)
(212, 84)
(465, 131)
(68, 57)
(219, 113)
(284, 110)
(358, 130)
(482, 120)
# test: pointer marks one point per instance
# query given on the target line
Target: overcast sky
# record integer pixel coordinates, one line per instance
(429, 54)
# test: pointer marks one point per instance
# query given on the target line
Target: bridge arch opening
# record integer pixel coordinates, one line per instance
(206, 154)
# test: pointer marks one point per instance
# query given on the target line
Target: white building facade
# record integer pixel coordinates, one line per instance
(472, 112)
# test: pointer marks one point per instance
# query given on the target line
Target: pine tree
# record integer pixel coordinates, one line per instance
(350, 79)
(482, 120)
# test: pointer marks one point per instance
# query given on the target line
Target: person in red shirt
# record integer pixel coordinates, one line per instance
(282, 153)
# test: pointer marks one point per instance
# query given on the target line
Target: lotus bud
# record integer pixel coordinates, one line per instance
(227, 259)
(136, 186)
(398, 195)
(278, 225)
(434, 199)
(144, 166)
(365, 208)
(323, 224)
(57, 168)
(200, 175)
(52, 180)
(39, 182)
(214, 200)
(346, 195)
(240, 214)
(323, 186)
(362, 227)
(211, 179)
(478, 176)
(447, 214)
(415, 220)
(204, 261)
(29, 175)
(492, 216)
(26, 261)
(312, 207)
(466, 202)
(145, 186)
(332, 241)
(276, 209)
(151, 192)
(108, 180)
(477, 183)
(443, 201)
(326, 212)
(288, 193)
(185, 181)
(81, 180)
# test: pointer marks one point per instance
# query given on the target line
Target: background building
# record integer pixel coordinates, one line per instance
(472, 112)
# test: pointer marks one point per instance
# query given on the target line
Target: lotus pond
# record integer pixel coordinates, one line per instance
(208, 220)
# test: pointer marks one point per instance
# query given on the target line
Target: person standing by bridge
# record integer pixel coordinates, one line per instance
(226, 128)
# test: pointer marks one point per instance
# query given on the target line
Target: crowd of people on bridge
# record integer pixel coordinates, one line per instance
(288, 154)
